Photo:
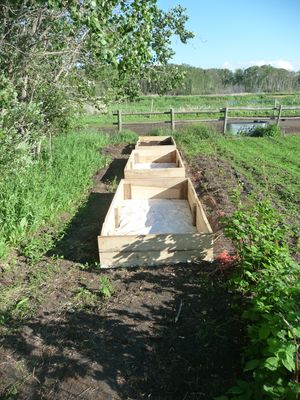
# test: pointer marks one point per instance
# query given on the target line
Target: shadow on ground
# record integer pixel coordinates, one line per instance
(133, 348)
(115, 170)
(79, 243)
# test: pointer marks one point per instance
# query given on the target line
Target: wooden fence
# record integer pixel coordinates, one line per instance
(276, 114)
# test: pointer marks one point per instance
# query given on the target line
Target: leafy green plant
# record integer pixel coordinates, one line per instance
(106, 288)
(269, 279)
(4, 318)
(18, 310)
(22, 308)
(11, 391)
(271, 130)
(112, 185)
(84, 298)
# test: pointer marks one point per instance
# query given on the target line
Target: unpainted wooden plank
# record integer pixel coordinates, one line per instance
(163, 183)
(155, 142)
(157, 242)
(165, 156)
(152, 192)
(119, 259)
(202, 223)
(155, 173)
(155, 158)
(109, 222)
(117, 217)
(127, 191)
(179, 160)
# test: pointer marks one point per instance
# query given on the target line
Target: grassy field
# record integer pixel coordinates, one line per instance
(270, 165)
(184, 103)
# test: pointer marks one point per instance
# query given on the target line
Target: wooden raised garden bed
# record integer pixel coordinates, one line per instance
(145, 165)
(153, 222)
(155, 143)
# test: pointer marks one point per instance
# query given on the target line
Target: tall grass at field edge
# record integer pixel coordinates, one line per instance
(34, 199)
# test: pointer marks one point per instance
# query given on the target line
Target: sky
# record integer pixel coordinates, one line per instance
(240, 33)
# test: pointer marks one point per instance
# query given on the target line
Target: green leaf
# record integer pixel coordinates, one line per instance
(264, 331)
(235, 390)
(271, 363)
(289, 364)
(22, 303)
(252, 364)
(106, 292)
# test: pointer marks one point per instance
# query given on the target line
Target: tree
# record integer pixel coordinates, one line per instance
(72, 36)
(53, 51)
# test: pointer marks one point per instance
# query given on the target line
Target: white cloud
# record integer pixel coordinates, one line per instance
(275, 63)
(227, 64)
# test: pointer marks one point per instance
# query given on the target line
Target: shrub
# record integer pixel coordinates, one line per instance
(268, 278)
(272, 130)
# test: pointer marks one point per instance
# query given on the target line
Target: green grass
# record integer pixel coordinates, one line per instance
(183, 103)
(33, 200)
(36, 205)
(271, 165)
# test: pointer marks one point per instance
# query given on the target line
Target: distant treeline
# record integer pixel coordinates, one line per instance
(210, 81)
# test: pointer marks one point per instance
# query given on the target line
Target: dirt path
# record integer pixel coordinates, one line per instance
(77, 345)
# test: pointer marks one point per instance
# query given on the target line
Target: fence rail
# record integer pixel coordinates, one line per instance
(276, 115)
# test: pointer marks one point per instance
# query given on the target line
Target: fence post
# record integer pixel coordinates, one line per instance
(225, 119)
(172, 115)
(279, 115)
(151, 109)
(275, 108)
(119, 120)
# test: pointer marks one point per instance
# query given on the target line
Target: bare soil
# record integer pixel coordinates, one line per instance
(167, 333)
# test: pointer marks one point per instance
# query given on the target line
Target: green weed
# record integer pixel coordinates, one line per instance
(126, 136)
(11, 391)
(112, 185)
(271, 130)
(16, 311)
(161, 132)
(84, 298)
(197, 139)
(106, 288)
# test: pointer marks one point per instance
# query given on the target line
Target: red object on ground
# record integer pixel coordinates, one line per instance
(226, 259)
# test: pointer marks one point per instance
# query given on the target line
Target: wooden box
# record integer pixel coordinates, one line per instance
(144, 165)
(137, 249)
(156, 143)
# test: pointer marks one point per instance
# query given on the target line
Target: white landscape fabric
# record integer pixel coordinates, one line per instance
(153, 165)
(155, 216)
